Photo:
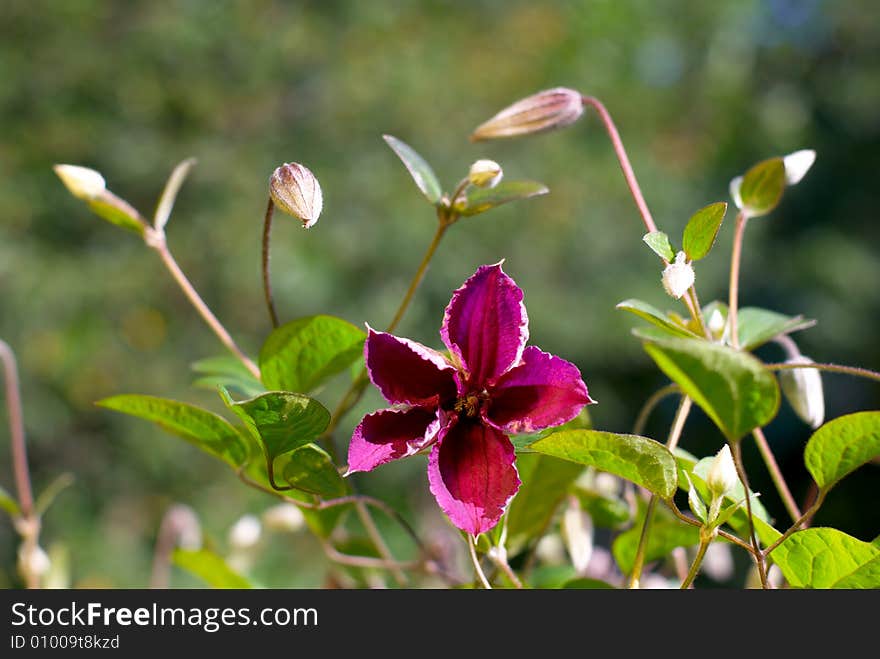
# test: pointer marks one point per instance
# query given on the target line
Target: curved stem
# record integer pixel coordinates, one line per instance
(472, 550)
(833, 368)
(267, 278)
(757, 554)
(379, 542)
(684, 408)
(195, 299)
(625, 165)
(721, 532)
(18, 443)
(695, 566)
(776, 474)
(820, 499)
(698, 313)
(651, 404)
(735, 262)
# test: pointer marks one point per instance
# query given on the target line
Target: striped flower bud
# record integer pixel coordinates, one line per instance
(296, 191)
(546, 110)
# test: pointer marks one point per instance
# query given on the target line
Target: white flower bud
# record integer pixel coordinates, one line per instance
(803, 389)
(678, 276)
(245, 533)
(550, 550)
(722, 477)
(296, 191)
(82, 182)
(797, 164)
(33, 561)
(716, 323)
(577, 530)
(485, 173)
(735, 185)
(285, 517)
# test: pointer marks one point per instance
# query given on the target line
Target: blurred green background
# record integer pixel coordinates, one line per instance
(699, 91)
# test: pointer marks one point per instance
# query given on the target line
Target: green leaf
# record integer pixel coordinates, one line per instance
(606, 511)
(9, 504)
(311, 469)
(209, 567)
(581, 422)
(302, 354)
(702, 229)
(205, 429)
(115, 213)
(659, 243)
(545, 480)
(169, 194)
(583, 583)
(418, 167)
(762, 187)
(828, 558)
(841, 446)
(654, 316)
(757, 326)
(281, 420)
(667, 533)
(695, 502)
(638, 459)
(229, 372)
(733, 388)
(480, 200)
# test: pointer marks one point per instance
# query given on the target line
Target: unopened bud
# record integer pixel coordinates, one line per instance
(716, 323)
(678, 276)
(546, 110)
(82, 182)
(245, 533)
(577, 531)
(735, 185)
(722, 477)
(285, 517)
(803, 389)
(797, 164)
(296, 191)
(485, 174)
(33, 561)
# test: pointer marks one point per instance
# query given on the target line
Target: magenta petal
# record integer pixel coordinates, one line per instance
(485, 324)
(406, 371)
(472, 475)
(387, 435)
(540, 392)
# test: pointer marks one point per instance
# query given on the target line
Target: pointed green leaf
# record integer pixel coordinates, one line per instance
(545, 481)
(229, 372)
(638, 459)
(841, 446)
(659, 243)
(695, 503)
(733, 388)
(281, 420)
(757, 326)
(667, 533)
(209, 567)
(169, 194)
(205, 429)
(111, 210)
(701, 230)
(9, 504)
(654, 316)
(302, 354)
(827, 558)
(311, 469)
(762, 187)
(480, 200)
(418, 167)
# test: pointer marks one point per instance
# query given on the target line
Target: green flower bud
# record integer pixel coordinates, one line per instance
(296, 191)
(485, 174)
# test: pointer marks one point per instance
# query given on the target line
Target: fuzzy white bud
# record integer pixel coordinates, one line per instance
(803, 389)
(797, 164)
(722, 477)
(245, 533)
(285, 517)
(82, 182)
(485, 173)
(678, 276)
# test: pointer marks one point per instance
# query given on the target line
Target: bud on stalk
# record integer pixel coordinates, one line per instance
(296, 191)
(546, 110)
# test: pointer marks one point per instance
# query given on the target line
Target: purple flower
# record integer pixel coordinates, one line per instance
(465, 405)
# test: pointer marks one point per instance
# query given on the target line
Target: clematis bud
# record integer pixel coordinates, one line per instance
(285, 517)
(82, 182)
(722, 477)
(546, 110)
(735, 185)
(803, 389)
(296, 191)
(716, 323)
(678, 276)
(485, 174)
(797, 164)
(33, 560)
(245, 533)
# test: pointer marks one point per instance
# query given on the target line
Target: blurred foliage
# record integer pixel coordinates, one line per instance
(700, 91)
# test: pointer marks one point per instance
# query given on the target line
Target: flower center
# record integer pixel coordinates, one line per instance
(470, 403)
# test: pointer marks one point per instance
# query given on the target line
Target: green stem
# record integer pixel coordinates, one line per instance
(735, 262)
(267, 280)
(695, 566)
(472, 550)
(650, 404)
(833, 368)
(684, 408)
(697, 312)
(757, 554)
(776, 474)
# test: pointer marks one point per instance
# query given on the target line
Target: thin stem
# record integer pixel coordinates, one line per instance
(698, 313)
(651, 404)
(379, 542)
(776, 474)
(820, 499)
(625, 165)
(175, 523)
(366, 561)
(695, 566)
(833, 368)
(267, 277)
(684, 408)
(735, 262)
(741, 472)
(162, 248)
(472, 550)
(501, 563)
(721, 532)
(16, 432)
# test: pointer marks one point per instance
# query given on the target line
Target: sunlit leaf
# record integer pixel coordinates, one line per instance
(762, 187)
(757, 326)
(659, 243)
(116, 214)
(311, 469)
(667, 532)
(228, 372)
(209, 567)
(841, 446)
(702, 229)
(654, 316)
(828, 558)
(733, 388)
(418, 168)
(480, 200)
(9, 504)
